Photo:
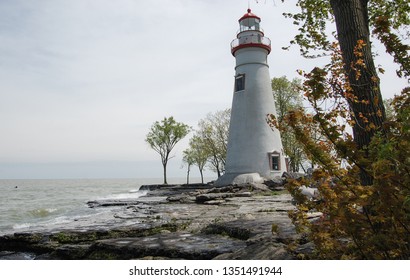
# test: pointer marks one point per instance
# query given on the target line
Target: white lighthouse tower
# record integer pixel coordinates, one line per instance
(254, 150)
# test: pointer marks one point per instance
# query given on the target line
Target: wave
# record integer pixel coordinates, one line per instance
(132, 194)
(22, 226)
(42, 212)
(51, 221)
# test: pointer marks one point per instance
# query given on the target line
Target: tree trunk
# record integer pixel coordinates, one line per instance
(367, 108)
(215, 163)
(202, 175)
(187, 175)
(165, 173)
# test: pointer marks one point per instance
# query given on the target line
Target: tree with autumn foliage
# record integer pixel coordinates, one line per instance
(365, 207)
(357, 221)
(356, 21)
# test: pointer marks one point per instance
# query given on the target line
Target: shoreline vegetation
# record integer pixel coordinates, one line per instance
(194, 221)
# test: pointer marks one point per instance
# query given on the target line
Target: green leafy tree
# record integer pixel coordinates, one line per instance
(163, 137)
(287, 98)
(213, 132)
(356, 21)
(196, 154)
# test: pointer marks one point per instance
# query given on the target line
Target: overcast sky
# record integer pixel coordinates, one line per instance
(82, 81)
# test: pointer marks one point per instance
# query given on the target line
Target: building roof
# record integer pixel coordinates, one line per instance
(249, 14)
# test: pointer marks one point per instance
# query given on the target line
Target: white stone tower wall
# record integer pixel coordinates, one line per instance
(251, 138)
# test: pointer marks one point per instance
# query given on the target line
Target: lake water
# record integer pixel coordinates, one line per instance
(31, 204)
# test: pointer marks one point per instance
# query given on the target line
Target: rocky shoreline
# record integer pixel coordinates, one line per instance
(198, 221)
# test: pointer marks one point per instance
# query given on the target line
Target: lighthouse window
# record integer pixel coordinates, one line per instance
(239, 82)
(274, 161)
(249, 24)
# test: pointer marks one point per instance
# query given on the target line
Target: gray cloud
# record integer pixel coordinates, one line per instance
(83, 80)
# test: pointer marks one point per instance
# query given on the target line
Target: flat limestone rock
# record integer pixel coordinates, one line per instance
(173, 245)
(212, 196)
(8, 255)
(111, 203)
(215, 202)
(265, 250)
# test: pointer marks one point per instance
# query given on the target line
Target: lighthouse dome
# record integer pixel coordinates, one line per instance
(249, 14)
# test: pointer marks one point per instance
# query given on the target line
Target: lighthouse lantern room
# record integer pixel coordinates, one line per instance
(250, 34)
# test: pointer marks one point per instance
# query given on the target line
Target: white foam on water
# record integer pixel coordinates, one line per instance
(42, 212)
(130, 195)
(22, 226)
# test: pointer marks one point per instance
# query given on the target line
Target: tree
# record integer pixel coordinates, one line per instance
(358, 221)
(213, 132)
(189, 160)
(355, 20)
(365, 205)
(287, 97)
(196, 154)
(163, 137)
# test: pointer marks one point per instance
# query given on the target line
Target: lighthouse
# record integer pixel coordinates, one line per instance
(254, 151)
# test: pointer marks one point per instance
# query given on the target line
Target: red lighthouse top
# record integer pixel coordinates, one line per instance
(249, 14)
(250, 34)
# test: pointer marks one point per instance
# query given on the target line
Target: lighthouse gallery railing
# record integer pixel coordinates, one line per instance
(255, 39)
